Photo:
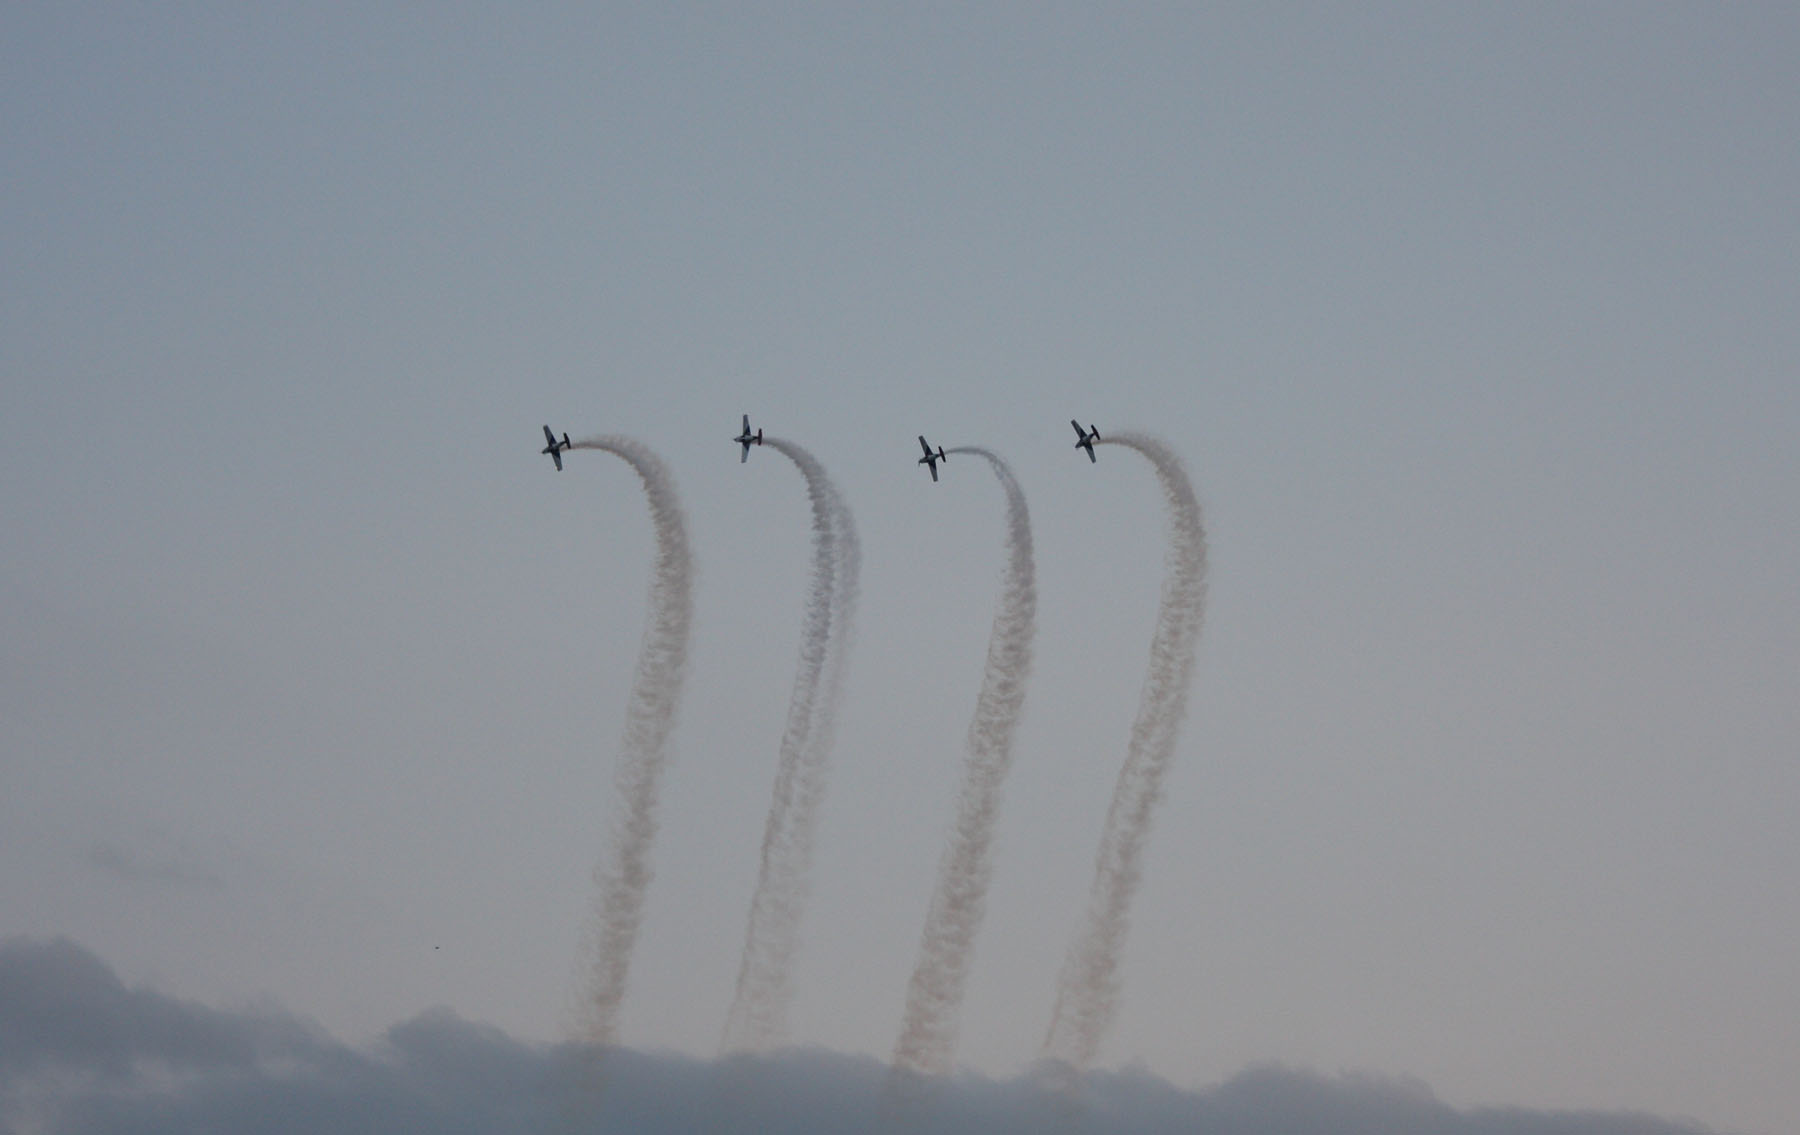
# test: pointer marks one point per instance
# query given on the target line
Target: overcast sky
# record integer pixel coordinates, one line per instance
(1475, 327)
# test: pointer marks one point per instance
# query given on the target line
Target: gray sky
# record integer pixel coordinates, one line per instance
(1475, 327)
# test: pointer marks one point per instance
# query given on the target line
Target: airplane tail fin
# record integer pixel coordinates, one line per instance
(566, 441)
(1094, 430)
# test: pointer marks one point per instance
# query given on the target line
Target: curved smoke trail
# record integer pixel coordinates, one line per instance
(758, 1016)
(649, 718)
(934, 995)
(1088, 992)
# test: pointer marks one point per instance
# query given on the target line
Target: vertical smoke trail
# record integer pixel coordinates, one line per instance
(649, 718)
(934, 996)
(1087, 996)
(758, 1016)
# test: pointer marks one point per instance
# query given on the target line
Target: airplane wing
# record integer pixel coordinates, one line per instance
(924, 446)
(548, 436)
(556, 456)
(1079, 432)
(934, 474)
(746, 423)
(746, 454)
(1091, 458)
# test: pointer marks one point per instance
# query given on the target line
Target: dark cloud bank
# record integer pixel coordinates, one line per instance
(81, 1052)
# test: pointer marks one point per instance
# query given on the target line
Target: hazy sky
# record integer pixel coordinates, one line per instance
(1476, 327)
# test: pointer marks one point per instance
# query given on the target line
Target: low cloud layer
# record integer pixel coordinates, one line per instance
(80, 1052)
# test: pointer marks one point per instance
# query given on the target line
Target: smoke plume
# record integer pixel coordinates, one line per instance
(624, 877)
(934, 996)
(1088, 991)
(758, 1016)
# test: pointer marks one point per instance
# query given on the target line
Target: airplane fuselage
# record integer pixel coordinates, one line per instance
(931, 459)
(1085, 439)
(554, 450)
(747, 439)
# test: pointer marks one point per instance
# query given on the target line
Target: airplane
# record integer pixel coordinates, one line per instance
(555, 448)
(1088, 437)
(747, 439)
(931, 459)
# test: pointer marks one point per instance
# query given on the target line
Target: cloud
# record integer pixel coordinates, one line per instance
(173, 866)
(82, 1053)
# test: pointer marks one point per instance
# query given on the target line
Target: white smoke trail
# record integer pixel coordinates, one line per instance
(934, 996)
(758, 1016)
(624, 877)
(1088, 992)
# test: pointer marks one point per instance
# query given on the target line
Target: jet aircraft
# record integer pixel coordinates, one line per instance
(747, 439)
(1086, 437)
(931, 459)
(555, 448)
